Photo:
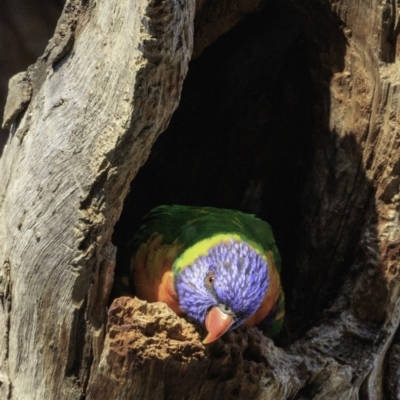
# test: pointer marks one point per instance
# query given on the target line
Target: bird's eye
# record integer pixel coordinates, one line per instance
(209, 279)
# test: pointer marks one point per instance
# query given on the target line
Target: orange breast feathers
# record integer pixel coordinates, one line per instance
(153, 278)
(271, 295)
(152, 272)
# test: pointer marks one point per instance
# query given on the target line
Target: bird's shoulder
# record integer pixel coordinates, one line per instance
(190, 224)
(269, 316)
(168, 231)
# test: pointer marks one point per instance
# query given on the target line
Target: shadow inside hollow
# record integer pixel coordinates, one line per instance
(252, 133)
(241, 135)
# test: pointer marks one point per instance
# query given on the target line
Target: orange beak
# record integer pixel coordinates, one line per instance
(217, 323)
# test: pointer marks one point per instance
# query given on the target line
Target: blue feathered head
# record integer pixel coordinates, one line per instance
(232, 277)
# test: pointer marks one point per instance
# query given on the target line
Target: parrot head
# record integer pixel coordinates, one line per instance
(223, 287)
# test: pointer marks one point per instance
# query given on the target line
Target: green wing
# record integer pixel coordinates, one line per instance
(172, 229)
(187, 225)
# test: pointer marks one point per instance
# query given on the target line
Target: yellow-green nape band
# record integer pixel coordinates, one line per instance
(202, 247)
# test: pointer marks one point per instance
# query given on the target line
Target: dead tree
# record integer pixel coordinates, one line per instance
(297, 121)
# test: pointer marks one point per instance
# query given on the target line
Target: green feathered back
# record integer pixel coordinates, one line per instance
(187, 225)
(168, 231)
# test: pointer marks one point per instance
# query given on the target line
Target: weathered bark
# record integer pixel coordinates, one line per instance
(104, 89)
(25, 28)
(93, 106)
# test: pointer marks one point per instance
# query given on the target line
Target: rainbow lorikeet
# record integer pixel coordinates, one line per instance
(220, 267)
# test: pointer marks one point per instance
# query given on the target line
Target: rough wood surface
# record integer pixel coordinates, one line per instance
(353, 198)
(105, 88)
(25, 29)
(145, 340)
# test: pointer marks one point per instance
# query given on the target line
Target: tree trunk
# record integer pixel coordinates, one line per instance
(104, 89)
(292, 114)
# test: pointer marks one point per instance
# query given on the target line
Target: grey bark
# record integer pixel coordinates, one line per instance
(103, 91)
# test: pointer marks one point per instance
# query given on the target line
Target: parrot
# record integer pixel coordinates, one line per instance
(220, 267)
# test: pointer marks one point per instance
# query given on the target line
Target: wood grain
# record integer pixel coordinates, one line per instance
(105, 88)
